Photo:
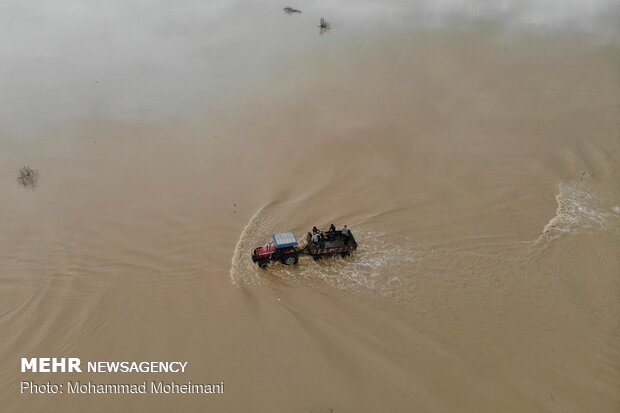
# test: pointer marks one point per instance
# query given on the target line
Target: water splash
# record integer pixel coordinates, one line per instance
(381, 265)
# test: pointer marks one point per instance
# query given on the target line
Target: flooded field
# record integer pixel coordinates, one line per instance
(472, 149)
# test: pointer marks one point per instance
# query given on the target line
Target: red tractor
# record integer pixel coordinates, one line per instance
(285, 248)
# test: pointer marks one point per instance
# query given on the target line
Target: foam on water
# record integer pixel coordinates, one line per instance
(379, 265)
(578, 210)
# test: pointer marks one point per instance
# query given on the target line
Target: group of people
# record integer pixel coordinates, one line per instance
(317, 235)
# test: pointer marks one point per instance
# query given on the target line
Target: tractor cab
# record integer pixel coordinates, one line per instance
(284, 240)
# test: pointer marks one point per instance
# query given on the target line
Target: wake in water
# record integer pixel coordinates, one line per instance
(578, 210)
(242, 269)
(378, 266)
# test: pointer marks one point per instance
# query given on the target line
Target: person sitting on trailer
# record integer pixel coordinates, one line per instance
(315, 238)
(332, 228)
(315, 230)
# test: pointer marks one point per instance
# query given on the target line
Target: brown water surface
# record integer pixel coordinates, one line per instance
(472, 150)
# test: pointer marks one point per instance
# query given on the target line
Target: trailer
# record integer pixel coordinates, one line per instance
(285, 248)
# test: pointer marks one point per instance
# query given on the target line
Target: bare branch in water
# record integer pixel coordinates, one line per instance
(324, 25)
(290, 10)
(28, 177)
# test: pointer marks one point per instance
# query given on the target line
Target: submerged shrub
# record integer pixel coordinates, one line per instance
(28, 177)
(324, 25)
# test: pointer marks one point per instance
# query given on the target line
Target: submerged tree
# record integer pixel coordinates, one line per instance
(28, 177)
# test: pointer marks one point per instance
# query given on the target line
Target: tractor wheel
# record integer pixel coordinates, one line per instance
(263, 264)
(345, 254)
(289, 260)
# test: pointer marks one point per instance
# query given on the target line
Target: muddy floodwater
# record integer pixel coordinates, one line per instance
(473, 148)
